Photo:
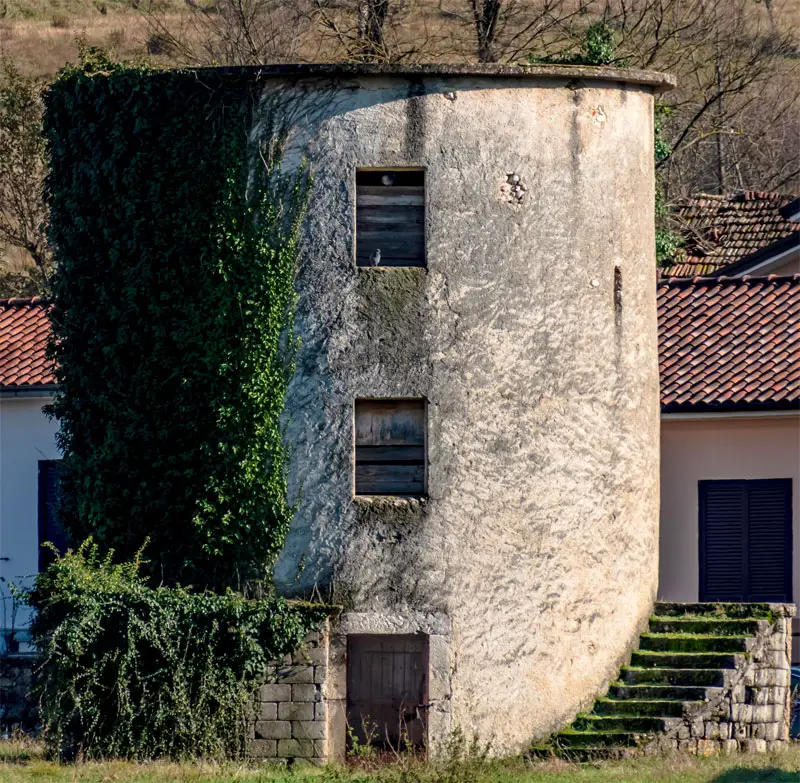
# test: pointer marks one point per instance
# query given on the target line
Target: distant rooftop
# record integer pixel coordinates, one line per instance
(724, 230)
(729, 343)
(24, 330)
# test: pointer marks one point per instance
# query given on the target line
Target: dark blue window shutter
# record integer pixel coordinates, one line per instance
(50, 527)
(769, 541)
(723, 561)
(746, 540)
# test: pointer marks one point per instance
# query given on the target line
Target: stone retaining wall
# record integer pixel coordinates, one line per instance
(753, 711)
(17, 710)
(290, 716)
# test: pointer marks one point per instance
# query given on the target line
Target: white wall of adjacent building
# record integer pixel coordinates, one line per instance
(27, 436)
(697, 448)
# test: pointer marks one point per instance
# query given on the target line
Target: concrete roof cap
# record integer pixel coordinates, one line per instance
(657, 81)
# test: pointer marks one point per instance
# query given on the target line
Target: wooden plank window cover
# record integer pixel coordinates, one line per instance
(746, 540)
(387, 688)
(390, 447)
(390, 218)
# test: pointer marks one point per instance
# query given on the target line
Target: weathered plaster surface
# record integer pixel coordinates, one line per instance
(539, 536)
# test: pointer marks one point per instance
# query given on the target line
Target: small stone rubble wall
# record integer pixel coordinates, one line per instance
(18, 711)
(290, 713)
(752, 711)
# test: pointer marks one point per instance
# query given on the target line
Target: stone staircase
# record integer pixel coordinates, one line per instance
(706, 678)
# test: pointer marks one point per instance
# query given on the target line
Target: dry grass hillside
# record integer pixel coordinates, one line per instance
(40, 35)
(747, 51)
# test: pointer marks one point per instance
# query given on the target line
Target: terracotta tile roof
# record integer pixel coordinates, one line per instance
(24, 330)
(729, 343)
(722, 230)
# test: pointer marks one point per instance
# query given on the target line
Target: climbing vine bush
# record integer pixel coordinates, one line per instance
(137, 672)
(668, 243)
(176, 233)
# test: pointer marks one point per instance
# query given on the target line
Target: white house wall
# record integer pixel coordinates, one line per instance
(697, 448)
(26, 437)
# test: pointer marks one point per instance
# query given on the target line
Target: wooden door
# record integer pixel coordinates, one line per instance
(387, 688)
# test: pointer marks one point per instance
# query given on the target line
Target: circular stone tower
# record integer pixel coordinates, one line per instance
(475, 418)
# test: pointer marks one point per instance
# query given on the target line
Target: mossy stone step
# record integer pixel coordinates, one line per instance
(683, 660)
(658, 708)
(590, 754)
(731, 611)
(704, 626)
(570, 738)
(678, 693)
(686, 643)
(638, 724)
(633, 675)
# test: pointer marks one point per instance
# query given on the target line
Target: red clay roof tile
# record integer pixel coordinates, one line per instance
(721, 230)
(24, 329)
(719, 343)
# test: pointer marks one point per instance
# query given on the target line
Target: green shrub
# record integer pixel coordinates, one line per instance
(139, 672)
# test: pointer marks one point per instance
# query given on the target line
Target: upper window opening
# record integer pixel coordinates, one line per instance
(390, 217)
(390, 447)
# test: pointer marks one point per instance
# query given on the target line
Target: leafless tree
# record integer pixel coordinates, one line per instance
(738, 90)
(506, 30)
(381, 30)
(227, 32)
(23, 215)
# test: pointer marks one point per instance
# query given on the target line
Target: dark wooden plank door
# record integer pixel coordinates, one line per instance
(746, 540)
(387, 688)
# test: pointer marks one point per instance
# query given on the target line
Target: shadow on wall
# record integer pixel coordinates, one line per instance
(767, 775)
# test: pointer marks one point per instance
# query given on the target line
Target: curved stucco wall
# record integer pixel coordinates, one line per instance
(535, 557)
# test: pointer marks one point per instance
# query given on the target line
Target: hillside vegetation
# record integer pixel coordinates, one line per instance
(732, 123)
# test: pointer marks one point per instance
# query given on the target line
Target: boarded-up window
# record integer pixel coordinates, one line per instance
(387, 688)
(390, 218)
(746, 540)
(390, 447)
(50, 527)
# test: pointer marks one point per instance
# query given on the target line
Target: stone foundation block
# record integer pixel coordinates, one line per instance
(753, 745)
(291, 710)
(308, 729)
(706, 747)
(711, 730)
(273, 729)
(295, 749)
(267, 710)
(275, 692)
(296, 674)
(303, 692)
(263, 748)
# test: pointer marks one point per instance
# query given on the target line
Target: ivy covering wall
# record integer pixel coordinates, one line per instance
(176, 238)
(176, 235)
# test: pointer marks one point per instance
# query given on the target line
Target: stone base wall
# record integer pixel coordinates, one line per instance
(290, 716)
(753, 710)
(18, 711)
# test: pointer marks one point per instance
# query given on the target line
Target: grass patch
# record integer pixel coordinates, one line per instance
(23, 762)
